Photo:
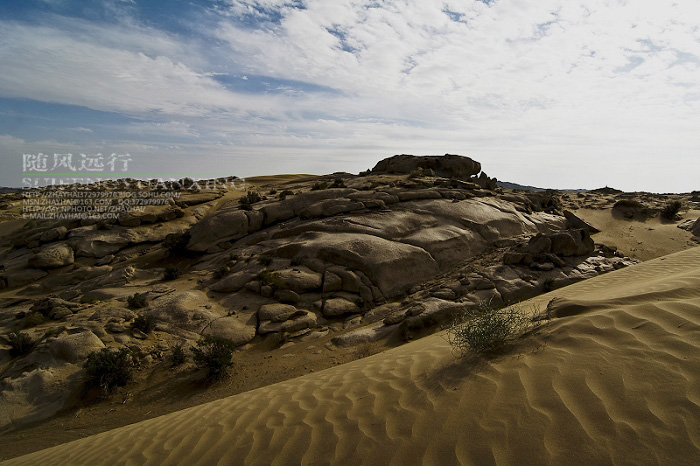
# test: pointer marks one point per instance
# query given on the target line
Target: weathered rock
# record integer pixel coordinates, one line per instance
(331, 282)
(53, 234)
(232, 328)
(304, 319)
(369, 333)
(338, 306)
(76, 347)
(277, 312)
(52, 256)
(225, 224)
(233, 282)
(286, 296)
(576, 223)
(446, 166)
(299, 279)
(330, 207)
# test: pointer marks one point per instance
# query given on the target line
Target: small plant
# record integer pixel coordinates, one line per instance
(265, 260)
(418, 172)
(671, 209)
(338, 183)
(20, 344)
(249, 199)
(108, 369)
(283, 195)
(171, 273)
(272, 192)
(145, 323)
(318, 186)
(176, 243)
(137, 301)
(221, 272)
(487, 329)
(214, 354)
(365, 173)
(179, 356)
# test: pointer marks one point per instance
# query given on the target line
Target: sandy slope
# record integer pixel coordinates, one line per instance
(615, 382)
(640, 240)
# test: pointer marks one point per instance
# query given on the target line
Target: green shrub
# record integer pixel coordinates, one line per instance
(214, 354)
(487, 329)
(171, 273)
(671, 209)
(144, 323)
(265, 260)
(283, 195)
(20, 344)
(221, 272)
(108, 369)
(179, 356)
(250, 198)
(137, 301)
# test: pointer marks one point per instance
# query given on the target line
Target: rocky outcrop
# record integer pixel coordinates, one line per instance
(53, 256)
(446, 166)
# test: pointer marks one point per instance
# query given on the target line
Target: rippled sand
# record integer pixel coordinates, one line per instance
(614, 379)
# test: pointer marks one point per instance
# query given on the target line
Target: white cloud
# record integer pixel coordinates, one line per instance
(550, 92)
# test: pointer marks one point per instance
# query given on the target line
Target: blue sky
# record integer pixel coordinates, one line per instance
(562, 94)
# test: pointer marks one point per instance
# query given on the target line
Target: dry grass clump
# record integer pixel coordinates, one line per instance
(488, 329)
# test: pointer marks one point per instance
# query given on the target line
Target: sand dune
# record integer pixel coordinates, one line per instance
(614, 380)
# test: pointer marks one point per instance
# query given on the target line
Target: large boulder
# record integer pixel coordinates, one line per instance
(76, 347)
(446, 166)
(52, 256)
(299, 279)
(224, 224)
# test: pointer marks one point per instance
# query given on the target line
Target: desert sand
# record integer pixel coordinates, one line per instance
(613, 378)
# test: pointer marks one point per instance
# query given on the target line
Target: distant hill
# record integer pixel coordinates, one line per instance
(520, 187)
(4, 190)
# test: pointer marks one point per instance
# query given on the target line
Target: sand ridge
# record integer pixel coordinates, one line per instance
(615, 381)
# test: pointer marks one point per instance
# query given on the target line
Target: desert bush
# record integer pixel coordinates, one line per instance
(250, 198)
(221, 272)
(265, 260)
(487, 329)
(338, 183)
(176, 243)
(365, 173)
(20, 344)
(272, 192)
(171, 273)
(283, 195)
(671, 209)
(179, 356)
(214, 354)
(137, 301)
(144, 323)
(319, 186)
(415, 173)
(108, 369)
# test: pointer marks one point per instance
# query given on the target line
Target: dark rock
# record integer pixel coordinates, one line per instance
(445, 166)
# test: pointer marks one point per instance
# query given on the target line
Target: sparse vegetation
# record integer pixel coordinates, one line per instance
(176, 243)
(283, 195)
(214, 354)
(20, 344)
(221, 272)
(137, 301)
(108, 369)
(246, 202)
(487, 329)
(171, 272)
(145, 323)
(265, 260)
(272, 192)
(320, 185)
(671, 209)
(338, 183)
(179, 356)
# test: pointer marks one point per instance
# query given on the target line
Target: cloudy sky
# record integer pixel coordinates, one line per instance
(553, 93)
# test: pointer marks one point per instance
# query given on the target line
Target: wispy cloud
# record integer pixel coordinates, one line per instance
(543, 92)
